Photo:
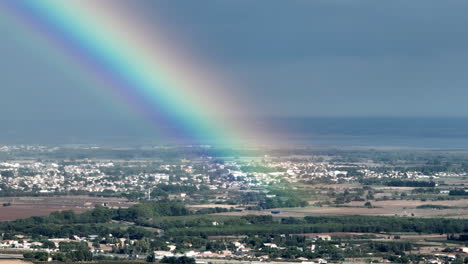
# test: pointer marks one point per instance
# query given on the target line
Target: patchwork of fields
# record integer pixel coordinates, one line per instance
(23, 207)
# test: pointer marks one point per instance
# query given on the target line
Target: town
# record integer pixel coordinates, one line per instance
(275, 205)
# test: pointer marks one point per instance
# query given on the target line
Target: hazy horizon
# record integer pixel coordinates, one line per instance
(331, 132)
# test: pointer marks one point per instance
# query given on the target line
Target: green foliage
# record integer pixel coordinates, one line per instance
(394, 247)
(278, 202)
(258, 169)
(79, 255)
(68, 223)
(258, 219)
(147, 210)
(406, 183)
(433, 206)
(175, 260)
(458, 192)
(48, 244)
(460, 237)
(72, 246)
(212, 210)
(323, 224)
(399, 183)
(40, 256)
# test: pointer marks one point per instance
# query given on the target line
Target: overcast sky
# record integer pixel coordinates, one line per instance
(290, 57)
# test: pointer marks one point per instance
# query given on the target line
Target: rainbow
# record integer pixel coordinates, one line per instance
(141, 64)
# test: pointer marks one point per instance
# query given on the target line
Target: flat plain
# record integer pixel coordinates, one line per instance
(458, 209)
(24, 207)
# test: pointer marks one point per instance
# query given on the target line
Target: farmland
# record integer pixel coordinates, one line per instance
(13, 261)
(456, 209)
(23, 207)
(340, 206)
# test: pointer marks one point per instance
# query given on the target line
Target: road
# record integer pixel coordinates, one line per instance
(11, 256)
(233, 261)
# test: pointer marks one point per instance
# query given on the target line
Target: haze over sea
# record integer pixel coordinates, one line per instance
(444, 133)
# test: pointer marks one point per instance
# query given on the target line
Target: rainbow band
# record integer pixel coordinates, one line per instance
(139, 64)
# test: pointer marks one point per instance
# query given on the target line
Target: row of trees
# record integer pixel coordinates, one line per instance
(101, 214)
(408, 183)
(67, 223)
(458, 192)
(69, 252)
(365, 224)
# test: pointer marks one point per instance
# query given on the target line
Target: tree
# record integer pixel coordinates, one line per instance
(48, 244)
(175, 260)
(96, 244)
(151, 258)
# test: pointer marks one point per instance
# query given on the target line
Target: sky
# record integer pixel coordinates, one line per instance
(288, 58)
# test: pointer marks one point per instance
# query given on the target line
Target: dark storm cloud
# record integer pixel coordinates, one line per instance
(297, 57)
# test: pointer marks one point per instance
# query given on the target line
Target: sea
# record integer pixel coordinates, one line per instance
(427, 132)
(446, 133)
